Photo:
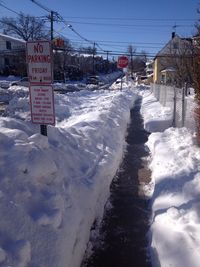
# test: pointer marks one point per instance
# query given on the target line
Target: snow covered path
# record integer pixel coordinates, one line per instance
(122, 239)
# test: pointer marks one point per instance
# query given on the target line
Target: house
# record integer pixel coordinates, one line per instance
(149, 71)
(12, 55)
(171, 62)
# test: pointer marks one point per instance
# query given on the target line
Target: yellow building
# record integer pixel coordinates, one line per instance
(168, 59)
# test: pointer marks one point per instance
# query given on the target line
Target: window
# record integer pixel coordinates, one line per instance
(8, 45)
(7, 61)
(163, 78)
(175, 45)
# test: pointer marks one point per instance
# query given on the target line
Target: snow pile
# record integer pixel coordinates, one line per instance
(175, 165)
(5, 81)
(156, 117)
(52, 189)
(4, 95)
(175, 201)
(111, 77)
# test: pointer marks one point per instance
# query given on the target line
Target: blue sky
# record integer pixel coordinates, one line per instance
(146, 24)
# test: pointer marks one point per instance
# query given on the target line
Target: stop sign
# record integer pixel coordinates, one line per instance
(122, 62)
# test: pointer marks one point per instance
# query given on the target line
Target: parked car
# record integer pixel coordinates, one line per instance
(118, 81)
(22, 82)
(92, 80)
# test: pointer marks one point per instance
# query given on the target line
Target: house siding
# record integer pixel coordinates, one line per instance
(12, 55)
(173, 47)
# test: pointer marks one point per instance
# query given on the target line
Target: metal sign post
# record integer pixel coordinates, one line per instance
(40, 74)
(122, 63)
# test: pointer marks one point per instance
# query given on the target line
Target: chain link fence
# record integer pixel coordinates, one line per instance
(180, 101)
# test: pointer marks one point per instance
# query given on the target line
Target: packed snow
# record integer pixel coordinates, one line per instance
(53, 188)
(175, 165)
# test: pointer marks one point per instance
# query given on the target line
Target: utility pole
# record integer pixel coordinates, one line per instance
(107, 55)
(131, 64)
(52, 19)
(43, 127)
(107, 62)
(93, 65)
(131, 51)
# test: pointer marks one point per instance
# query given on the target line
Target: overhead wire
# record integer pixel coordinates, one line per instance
(105, 43)
(9, 8)
(127, 25)
(128, 19)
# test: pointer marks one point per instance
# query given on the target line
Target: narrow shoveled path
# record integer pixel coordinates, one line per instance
(122, 239)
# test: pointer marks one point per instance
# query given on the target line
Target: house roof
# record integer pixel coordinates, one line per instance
(171, 41)
(8, 37)
(170, 69)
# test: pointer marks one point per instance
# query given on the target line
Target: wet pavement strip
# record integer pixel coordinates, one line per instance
(122, 235)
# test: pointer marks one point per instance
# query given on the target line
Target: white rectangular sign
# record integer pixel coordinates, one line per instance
(39, 59)
(42, 104)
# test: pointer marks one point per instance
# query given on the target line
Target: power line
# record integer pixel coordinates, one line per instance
(115, 45)
(77, 33)
(118, 53)
(126, 42)
(9, 8)
(61, 19)
(129, 19)
(127, 25)
(115, 53)
(41, 6)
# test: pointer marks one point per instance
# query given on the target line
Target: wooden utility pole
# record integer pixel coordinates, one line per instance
(43, 128)
(93, 61)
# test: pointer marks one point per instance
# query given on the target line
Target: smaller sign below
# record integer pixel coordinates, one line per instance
(122, 62)
(42, 104)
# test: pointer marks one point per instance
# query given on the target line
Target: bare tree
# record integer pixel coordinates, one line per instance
(88, 50)
(196, 58)
(131, 50)
(62, 58)
(25, 27)
(143, 56)
(196, 62)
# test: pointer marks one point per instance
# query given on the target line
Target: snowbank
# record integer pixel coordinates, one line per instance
(52, 189)
(175, 200)
(175, 164)
(156, 117)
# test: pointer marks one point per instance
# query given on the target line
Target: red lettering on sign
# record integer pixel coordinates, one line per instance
(122, 62)
(38, 48)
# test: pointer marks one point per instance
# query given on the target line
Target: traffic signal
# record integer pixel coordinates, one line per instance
(58, 42)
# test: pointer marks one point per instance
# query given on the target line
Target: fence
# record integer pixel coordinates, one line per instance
(181, 103)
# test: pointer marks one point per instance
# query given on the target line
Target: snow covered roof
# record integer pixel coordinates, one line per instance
(170, 69)
(150, 62)
(175, 39)
(8, 37)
